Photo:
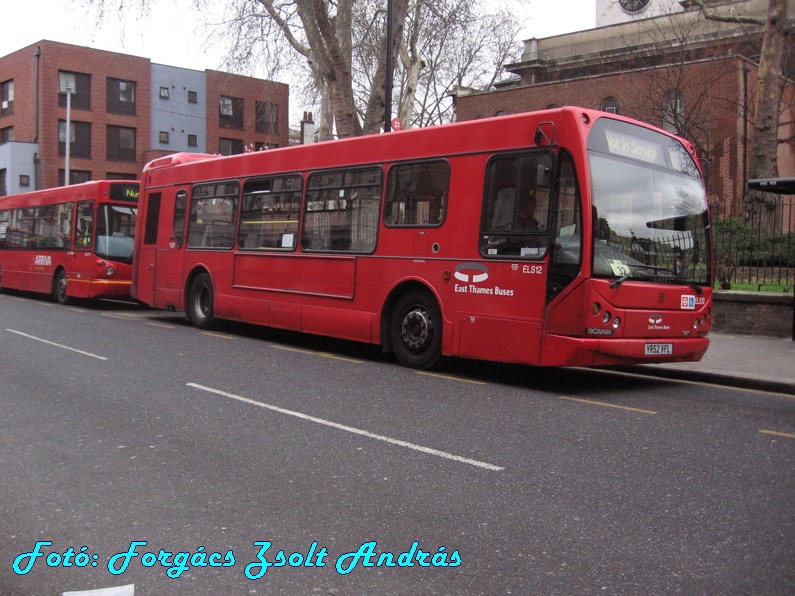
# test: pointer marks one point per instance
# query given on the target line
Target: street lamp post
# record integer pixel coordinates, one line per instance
(390, 27)
(68, 136)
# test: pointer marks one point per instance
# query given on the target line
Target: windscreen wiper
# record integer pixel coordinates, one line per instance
(633, 268)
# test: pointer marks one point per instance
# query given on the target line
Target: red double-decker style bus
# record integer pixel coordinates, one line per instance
(561, 237)
(71, 241)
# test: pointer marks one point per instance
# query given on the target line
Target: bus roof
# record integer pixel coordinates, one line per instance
(515, 131)
(62, 194)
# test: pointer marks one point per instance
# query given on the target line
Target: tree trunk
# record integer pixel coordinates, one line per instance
(413, 65)
(330, 41)
(764, 148)
(764, 161)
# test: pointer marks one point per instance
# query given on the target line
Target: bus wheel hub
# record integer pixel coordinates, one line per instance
(417, 328)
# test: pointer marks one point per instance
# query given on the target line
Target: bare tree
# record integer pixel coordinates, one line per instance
(445, 43)
(341, 51)
(458, 47)
(764, 146)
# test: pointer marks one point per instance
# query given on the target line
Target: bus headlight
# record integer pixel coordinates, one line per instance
(616, 323)
(606, 317)
(110, 271)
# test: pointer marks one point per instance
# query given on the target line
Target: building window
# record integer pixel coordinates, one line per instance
(121, 143)
(75, 177)
(230, 146)
(7, 98)
(3, 187)
(6, 134)
(163, 92)
(193, 97)
(24, 180)
(225, 107)
(121, 96)
(193, 141)
(80, 86)
(609, 105)
(79, 139)
(267, 117)
(164, 137)
(230, 112)
(673, 111)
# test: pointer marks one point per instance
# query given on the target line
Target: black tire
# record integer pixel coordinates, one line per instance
(416, 330)
(59, 287)
(1, 281)
(199, 308)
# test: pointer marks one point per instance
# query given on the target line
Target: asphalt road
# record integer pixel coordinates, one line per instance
(125, 432)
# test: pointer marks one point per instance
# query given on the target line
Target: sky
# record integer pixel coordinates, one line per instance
(173, 34)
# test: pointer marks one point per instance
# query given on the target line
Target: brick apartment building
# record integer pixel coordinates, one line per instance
(124, 111)
(660, 62)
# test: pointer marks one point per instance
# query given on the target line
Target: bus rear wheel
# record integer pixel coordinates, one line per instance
(200, 302)
(59, 287)
(416, 330)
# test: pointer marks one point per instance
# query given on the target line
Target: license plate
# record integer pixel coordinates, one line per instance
(659, 349)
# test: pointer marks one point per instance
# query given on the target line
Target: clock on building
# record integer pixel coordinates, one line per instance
(633, 5)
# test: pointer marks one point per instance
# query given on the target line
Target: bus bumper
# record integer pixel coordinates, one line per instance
(559, 350)
(98, 288)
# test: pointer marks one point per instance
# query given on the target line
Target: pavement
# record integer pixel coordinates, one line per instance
(746, 361)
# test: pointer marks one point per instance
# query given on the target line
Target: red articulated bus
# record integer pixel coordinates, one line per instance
(71, 241)
(560, 237)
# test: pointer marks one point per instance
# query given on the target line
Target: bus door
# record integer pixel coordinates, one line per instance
(169, 258)
(502, 297)
(144, 266)
(565, 258)
(80, 266)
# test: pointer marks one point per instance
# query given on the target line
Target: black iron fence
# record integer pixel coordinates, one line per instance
(754, 245)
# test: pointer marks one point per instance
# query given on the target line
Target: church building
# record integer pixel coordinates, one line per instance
(661, 62)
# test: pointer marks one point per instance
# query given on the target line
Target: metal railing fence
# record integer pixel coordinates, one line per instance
(754, 247)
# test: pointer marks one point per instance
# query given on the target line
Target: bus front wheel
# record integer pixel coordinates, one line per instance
(200, 302)
(59, 287)
(416, 330)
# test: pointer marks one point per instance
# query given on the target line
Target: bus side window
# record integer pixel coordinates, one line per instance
(152, 218)
(180, 207)
(341, 213)
(516, 206)
(270, 212)
(3, 228)
(213, 213)
(84, 230)
(417, 194)
(64, 233)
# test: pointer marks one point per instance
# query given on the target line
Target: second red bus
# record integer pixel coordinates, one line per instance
(70, 242)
